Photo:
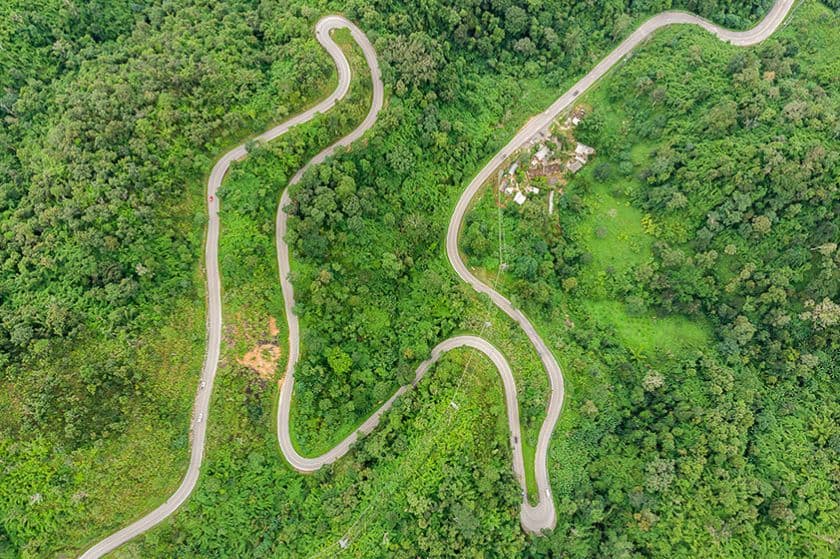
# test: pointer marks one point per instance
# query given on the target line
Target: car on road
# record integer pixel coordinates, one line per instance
(200, 417)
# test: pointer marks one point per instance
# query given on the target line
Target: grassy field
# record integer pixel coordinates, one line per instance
(613, 232)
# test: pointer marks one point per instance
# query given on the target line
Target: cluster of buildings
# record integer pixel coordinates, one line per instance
(582, 153)
(511, 184)
(552, 158)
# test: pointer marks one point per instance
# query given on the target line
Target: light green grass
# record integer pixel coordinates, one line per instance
(613, 231)
(121, 478)
(648, 333)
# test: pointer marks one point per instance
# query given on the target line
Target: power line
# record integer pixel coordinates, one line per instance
(449, 411)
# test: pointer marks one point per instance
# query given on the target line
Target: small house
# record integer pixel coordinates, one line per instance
(540, 156)
(519, 198)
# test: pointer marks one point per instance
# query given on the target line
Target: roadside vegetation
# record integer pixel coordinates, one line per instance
(107, 135)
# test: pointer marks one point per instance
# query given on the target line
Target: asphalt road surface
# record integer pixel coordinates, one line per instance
(533, 518)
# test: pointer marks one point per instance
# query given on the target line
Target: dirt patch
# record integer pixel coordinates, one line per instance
(272, 326)
(265, 351)
(262, 359)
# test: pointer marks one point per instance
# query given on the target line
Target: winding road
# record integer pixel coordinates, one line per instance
(534, 519)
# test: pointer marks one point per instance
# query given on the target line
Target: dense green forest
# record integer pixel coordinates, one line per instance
(112, 114)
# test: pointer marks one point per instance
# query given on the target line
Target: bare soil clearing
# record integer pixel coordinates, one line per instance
(262, 359)
(264, 355)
